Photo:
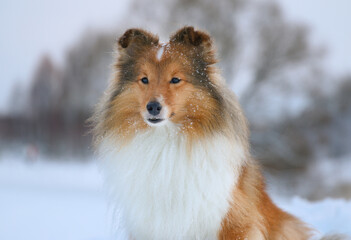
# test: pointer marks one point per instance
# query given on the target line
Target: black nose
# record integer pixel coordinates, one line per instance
(154, 108)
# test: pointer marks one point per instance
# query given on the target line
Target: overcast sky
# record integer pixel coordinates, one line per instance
(330, 24)
(30, 28)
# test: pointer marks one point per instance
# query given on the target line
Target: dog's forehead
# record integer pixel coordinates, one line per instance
(168, 51)
(169, 58)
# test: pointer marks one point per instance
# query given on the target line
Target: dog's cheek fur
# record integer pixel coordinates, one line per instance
(123, 117)
(200, 114)
(126, 74)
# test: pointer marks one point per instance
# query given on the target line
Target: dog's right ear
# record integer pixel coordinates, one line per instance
(135, 39)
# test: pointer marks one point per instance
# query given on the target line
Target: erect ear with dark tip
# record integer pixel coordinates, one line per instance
(188, 35)
(138, 36)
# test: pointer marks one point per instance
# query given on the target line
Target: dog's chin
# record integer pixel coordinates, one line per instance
(155, 122)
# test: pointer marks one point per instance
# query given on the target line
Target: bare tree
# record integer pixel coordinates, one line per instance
(85, 74)
(46, 89)
(282, 48)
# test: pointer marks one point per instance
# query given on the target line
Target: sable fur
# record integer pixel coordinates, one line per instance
(203, 113)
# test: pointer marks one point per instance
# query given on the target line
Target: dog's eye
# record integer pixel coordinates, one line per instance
(175, 80)
(145, 80)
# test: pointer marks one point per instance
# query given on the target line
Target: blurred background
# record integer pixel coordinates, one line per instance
(289, 62)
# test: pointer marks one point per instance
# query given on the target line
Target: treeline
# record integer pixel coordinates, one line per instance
(61, 99)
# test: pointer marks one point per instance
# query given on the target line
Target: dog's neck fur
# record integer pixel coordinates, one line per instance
(166, 191)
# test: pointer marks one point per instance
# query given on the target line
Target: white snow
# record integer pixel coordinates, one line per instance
(50, 200)
(330, 216)
(40, 201)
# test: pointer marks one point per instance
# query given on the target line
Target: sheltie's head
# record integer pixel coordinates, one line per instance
(158, 84)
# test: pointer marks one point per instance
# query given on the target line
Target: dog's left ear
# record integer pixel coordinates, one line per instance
(200, 42)
(189, 36)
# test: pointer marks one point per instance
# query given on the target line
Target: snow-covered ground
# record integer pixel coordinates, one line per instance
(50, 200)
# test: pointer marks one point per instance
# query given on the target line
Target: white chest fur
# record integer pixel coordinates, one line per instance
(165, 192)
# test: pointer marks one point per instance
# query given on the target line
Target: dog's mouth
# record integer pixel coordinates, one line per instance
(155, 120)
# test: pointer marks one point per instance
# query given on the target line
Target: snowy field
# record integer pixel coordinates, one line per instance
(55, 201)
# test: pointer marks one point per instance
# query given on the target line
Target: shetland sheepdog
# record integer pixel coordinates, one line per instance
(175, 146)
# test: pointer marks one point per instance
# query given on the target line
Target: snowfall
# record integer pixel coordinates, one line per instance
(51, 200)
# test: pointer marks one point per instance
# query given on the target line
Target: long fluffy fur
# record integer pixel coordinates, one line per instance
(193, 177)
